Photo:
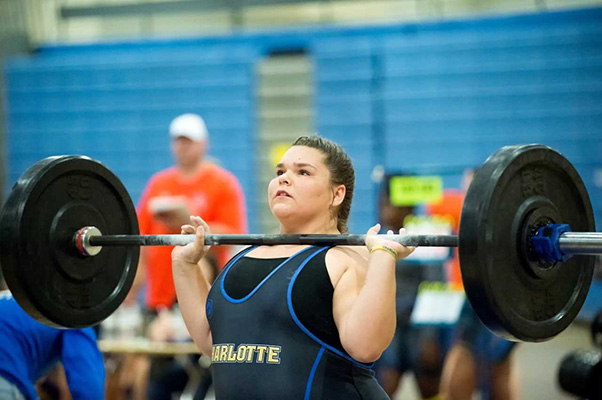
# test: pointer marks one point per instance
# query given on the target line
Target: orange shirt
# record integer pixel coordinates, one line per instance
(212, 193)
(450, 206)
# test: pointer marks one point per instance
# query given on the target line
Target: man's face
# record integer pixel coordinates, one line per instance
(187, 152)
(392, 217)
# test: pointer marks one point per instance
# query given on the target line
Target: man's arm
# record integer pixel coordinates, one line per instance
(83, 363)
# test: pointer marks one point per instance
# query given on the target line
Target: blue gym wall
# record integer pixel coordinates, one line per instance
(427, 98)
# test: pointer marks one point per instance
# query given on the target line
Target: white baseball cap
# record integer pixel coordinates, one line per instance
(190, 126)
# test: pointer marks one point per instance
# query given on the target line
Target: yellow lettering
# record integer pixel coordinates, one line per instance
(250, 352)
(273, 355)
(241, 354)
(223, 354)
(231, 355)
(261, 350)
(215, 353)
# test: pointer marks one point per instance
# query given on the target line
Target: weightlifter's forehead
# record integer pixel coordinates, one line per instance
(303, 156)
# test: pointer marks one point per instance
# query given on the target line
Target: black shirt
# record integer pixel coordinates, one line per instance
(312, 293)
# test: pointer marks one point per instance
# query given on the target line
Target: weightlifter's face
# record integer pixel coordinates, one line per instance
(301, 188)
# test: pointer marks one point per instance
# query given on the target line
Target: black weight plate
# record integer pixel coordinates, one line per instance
(518, 189)
(47, 276)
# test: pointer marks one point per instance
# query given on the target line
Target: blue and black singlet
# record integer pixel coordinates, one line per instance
(266, 349)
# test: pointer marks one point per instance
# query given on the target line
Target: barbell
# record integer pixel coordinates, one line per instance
(70, 242)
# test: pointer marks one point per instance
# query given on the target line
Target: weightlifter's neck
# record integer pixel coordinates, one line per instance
(311, 227)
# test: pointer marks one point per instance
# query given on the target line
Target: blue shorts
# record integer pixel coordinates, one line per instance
(403, 354)
(485, 345)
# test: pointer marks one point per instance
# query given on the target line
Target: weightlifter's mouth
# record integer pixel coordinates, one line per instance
(282, 193)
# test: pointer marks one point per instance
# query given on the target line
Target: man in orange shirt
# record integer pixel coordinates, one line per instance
(194, 186)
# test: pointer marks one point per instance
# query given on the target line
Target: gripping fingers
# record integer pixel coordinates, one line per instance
(188, 229)
(198, 221)
(371, 236)
(374, 230)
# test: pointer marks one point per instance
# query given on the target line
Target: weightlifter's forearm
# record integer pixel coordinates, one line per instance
(192, 289)
(373, 316)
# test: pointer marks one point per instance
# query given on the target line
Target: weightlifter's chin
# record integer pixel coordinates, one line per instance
(285, 213)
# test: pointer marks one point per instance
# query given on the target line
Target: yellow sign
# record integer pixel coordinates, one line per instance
(414, 190)
(277, 151)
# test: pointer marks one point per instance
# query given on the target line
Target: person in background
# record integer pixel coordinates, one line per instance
(29, 350)
(414, 349)
(194, 186)
(478, 359)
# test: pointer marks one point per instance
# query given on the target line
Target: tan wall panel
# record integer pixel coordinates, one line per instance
(46, 25)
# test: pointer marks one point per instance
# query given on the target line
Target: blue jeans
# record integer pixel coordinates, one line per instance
(9, 391)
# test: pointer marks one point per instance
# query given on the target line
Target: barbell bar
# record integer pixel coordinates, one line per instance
(525, 272)
(269, 240)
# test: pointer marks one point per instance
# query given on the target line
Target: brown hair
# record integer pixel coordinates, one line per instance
(341, 172)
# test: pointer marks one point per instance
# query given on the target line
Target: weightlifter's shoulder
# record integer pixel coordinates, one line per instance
(351, 255)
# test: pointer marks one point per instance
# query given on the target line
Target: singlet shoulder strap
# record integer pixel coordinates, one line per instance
(233, 260)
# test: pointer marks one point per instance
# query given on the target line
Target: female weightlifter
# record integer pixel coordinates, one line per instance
(292, 321)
